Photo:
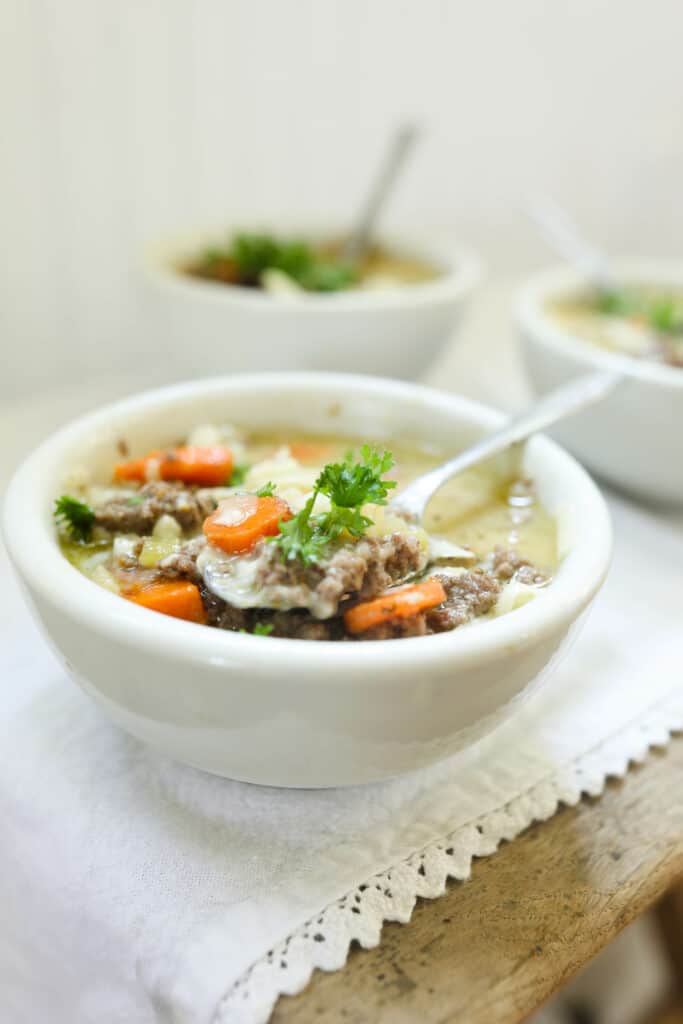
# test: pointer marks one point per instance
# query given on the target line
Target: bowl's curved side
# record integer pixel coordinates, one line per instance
(632, 437)
(290, 712)
(219, 328)
(282, 729)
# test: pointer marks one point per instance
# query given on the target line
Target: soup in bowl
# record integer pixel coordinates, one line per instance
(292, 655)
(641, 320)
(632, 437)
(283, 300)
(290, 266)
(291, 535)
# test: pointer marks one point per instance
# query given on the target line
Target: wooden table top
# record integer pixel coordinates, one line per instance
(497, 946)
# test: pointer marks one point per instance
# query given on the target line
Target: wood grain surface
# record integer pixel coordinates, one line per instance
(494, 948)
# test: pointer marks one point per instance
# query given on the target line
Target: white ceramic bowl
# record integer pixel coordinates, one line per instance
(296, 712)
(634, 437)
(202, 327)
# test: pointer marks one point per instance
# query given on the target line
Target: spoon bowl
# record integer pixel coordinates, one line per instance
(557, 405)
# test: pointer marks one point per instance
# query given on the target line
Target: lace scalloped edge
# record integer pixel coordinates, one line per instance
(323, 942)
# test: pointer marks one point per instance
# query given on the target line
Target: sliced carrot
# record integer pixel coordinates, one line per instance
(178, 598)
(134, 469)
(401, 603)
(208, 466)
(309, 451)
(243, 519)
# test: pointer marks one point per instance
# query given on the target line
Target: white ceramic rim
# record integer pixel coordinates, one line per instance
(462, 271)
(31, 542)
(532, 317)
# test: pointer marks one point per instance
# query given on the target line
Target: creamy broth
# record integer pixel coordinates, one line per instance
(483, 507)
(483, 531)
(318, 268)
(382, 266)
(644, 322)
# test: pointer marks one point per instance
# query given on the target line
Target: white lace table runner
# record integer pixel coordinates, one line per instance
(136, 890)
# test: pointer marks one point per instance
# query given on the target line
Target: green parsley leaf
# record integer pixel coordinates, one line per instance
(339, 519)
(299, 538)
(239, 473)
(75, 517)
(325, 276)
(665, 315)
(267, 491)
(616, 302)
(260, 629)
(349, 486)
(252, 254)
(135, 499)
(263, 629)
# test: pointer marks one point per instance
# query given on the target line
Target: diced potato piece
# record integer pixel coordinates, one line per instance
(513, 595)
(167, 528)
(125, 546)
(154, 549)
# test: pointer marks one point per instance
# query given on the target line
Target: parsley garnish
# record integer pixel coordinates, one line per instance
(251, 254)
(260, 629)
(349, 485)
(135, 499)
(663, 313)
(302, 537)
(76, 517)
(263, 629)
(616, 303)
(238, 474)
(267, 491)
(666, 315)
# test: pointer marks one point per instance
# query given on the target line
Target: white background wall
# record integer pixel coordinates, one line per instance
(129, 120)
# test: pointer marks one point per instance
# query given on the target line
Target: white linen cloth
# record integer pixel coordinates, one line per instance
(135, 890)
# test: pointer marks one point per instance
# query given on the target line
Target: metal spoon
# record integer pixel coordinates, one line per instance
(565, 401)
(563, 235)
(359, 239)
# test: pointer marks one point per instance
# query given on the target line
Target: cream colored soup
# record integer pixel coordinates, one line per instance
(483, 508)
(645, 323)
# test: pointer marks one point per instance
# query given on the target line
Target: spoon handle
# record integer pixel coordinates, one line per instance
(562, 402)
(564, 236)
(359, 239)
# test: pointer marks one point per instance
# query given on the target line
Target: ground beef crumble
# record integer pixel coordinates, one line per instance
(353, 574)
(468, 595)
(139, 511)
(182, 564)
(507, 563)
(362, 570)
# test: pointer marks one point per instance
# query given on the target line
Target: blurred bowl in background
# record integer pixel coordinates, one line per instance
(634, 438)
(201, 327)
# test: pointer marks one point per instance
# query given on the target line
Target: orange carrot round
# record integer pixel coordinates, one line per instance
(309, 451)
(401, 603)
(208, 466)
(134, 469)
(178, 598)
(242, 520)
